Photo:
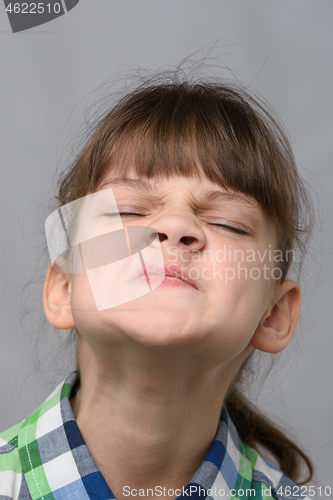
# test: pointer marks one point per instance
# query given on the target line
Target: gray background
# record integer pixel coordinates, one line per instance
(284, 48)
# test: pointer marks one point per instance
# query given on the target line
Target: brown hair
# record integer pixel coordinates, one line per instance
(171, 127)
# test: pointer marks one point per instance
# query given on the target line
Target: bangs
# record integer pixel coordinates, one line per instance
(193, 132)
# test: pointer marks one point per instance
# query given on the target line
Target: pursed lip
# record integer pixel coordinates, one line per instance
(172, 271)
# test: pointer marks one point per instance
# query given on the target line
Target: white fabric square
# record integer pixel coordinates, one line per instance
(61, 471)
(10, 484)
(50, 421)
(222, 489)
(2, 442)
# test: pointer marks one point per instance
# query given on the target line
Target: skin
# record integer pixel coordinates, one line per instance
(155, 371)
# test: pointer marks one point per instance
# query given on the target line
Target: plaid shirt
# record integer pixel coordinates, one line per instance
(45, 458)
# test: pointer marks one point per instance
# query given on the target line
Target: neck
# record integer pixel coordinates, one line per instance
(149, 417)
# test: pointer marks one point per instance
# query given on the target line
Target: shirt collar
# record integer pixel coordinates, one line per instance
(57, 463)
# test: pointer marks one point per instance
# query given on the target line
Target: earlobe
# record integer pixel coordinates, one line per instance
(277, 325)
(57, 300)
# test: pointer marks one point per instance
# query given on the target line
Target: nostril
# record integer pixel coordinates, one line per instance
(162, 237)
(187, 240)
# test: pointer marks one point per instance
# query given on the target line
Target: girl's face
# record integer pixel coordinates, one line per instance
(218, 246)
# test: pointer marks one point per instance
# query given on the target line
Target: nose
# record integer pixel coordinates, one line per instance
(182, 231)
(186, 240)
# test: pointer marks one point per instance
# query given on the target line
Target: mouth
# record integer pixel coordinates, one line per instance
(173, 275)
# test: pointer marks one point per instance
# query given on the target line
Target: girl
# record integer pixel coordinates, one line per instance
(169, 257)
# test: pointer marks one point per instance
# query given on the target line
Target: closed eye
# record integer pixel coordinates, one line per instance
(230, 228)
(122, 214)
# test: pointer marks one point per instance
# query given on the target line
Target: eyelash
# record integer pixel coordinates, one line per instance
(224, 226)
(231, 228)
(122, 213)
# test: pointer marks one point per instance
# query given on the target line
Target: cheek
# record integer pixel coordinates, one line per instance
(82, 299)
(88, 320)
(240, 302)
(245, 271)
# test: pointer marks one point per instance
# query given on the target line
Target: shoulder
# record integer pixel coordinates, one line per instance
(11, 474)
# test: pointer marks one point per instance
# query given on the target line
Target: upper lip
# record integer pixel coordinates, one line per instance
(171, 270)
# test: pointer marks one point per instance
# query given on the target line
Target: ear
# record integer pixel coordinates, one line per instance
(57, 300)
(277, 325)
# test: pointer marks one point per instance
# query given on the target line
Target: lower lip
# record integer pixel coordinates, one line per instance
(167, 281)
(176, 282)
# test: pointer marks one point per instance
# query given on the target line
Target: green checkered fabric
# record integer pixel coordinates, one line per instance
(45, 458)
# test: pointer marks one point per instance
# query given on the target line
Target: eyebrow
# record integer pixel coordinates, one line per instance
(131, 183)
(208, 196)
(228, 196)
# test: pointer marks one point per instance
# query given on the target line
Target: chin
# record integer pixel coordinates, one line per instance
(160, 330)
(163, 341)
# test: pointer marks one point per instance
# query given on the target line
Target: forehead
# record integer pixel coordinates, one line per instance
(203, 190)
